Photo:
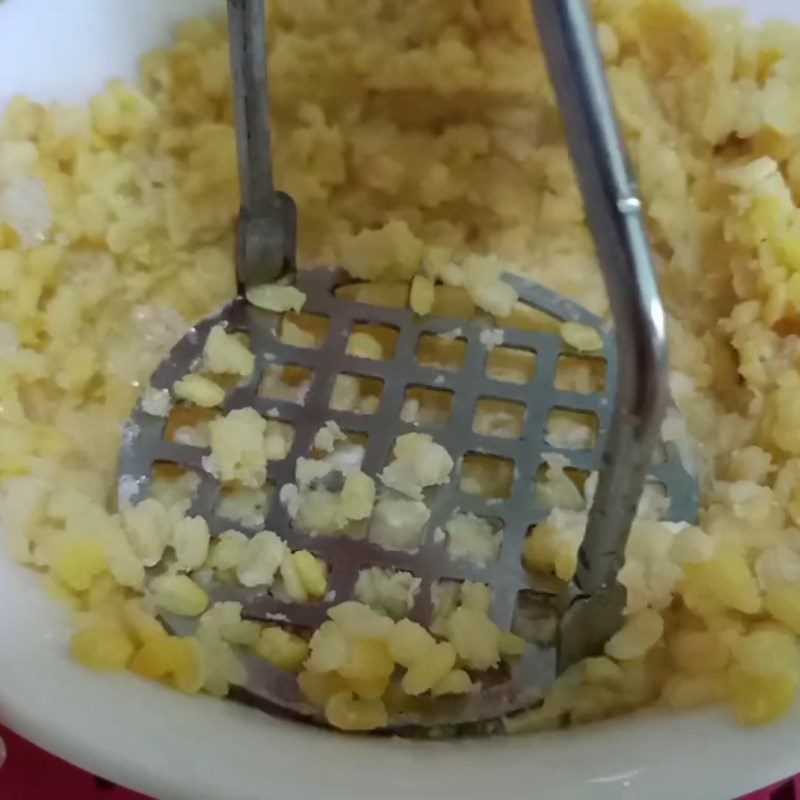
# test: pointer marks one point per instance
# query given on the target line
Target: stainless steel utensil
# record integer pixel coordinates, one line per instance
(562, 623)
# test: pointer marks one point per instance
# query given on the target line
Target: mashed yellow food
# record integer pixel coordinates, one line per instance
(421, 141)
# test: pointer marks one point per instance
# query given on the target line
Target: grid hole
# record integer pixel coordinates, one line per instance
(188, 424)
(502, 418)
(318, 507)
(227, 381)
(487, 475)
(398, 523)
(218, 364)
(511, 364)
(287, 382)
(173, 484)
(584, 375)
(536, 617)
(387, 591)
(441, 351)
(386, 295)
(345, 453)
(473, 538)
(447, 595)
(369, 340)
(245, 507)
(319, 514)
(303, 330)
(356, 393)
(279, 438)
(426, 406)
(453, 301)
(570, 429)
(561, 486)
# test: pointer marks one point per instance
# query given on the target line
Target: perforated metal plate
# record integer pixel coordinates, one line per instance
(514, 589)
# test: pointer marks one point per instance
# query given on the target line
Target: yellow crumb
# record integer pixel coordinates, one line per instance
(274, 297)
(581, 337)
(201, 391)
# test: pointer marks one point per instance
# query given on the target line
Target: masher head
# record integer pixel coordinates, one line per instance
(549, 614)
(560, 622)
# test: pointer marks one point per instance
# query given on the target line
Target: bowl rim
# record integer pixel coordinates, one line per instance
(165, 747)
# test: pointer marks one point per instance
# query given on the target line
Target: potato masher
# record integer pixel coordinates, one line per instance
(562, 623)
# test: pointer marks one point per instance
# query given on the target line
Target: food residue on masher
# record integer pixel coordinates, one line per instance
(422, 151)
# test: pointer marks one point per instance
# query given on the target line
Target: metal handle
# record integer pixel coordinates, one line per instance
(267, 218)
(614, 214)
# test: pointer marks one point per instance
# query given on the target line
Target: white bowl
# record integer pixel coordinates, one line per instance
(170, 746)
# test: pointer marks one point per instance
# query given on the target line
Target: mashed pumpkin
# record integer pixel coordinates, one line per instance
(422, 144)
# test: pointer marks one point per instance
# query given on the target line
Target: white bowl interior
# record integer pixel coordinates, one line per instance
(172, 746)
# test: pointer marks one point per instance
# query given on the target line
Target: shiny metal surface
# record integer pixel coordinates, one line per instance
(614, 214)
(576, 619)
(513, 587)
(266, 229)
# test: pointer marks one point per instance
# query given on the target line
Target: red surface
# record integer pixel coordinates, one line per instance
(785, 790)
(32, 774)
